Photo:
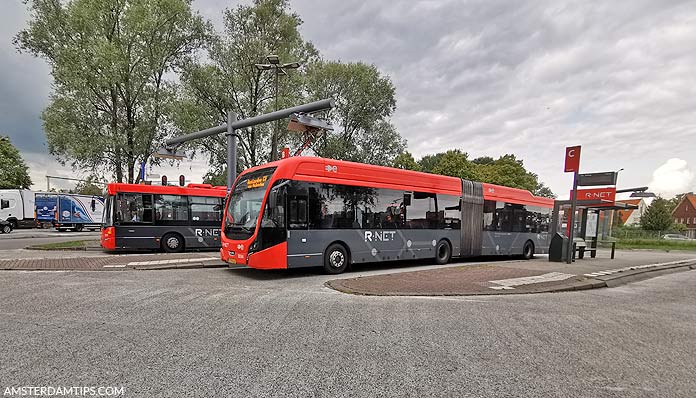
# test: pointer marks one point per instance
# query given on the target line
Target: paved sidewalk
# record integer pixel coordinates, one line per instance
(536, 276)
(32, 260)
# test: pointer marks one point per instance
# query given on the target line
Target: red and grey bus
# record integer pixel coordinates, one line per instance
(170, 218)
(308, 211)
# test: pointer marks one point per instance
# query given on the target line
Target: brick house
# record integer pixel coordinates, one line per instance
(685, 213)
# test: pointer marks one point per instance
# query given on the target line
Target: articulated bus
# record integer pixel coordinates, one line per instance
(162, 217)
(308, 211)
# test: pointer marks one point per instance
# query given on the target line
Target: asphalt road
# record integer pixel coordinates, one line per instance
(21, 238)
(221, 332)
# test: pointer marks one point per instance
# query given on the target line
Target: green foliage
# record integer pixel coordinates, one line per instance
(365, 100)
(216, 178)
(678, 227)
(89, 186)
(657, 244)
(110, 61)
(507, 170)
(510, 172)
(657, 216)
(455, 163)
(484, 160)
(14, 173)
(229, 81)
(406, 161)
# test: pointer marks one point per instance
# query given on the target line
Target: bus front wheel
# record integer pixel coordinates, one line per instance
(528, 250)
(336, 259)
(443, 252)
(172, 243)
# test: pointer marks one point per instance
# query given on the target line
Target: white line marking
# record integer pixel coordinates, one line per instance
(177, 261)
(636, 267)
(506, 284)
(115, 266)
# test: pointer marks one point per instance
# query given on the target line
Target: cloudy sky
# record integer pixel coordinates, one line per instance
(488, 77)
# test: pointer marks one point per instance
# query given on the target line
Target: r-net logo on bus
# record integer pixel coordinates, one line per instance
(379, 236)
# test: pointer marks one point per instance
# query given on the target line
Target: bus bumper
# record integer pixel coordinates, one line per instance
(272, 258)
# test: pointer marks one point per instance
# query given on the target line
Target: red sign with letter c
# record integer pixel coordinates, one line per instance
(572, 159)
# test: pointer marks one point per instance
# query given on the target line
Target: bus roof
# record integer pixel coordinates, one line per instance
(332, 171)
(515, 195)
(189, 190)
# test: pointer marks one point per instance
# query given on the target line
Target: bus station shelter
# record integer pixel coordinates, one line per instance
(592, 222)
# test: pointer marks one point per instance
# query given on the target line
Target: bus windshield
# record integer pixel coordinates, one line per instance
(108, 220)
(244, 206)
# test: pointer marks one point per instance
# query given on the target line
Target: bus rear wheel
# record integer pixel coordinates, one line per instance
(78, 227)
(172, 243)
(336, 259)
(6, 229)
(528, 250)
(443, 252)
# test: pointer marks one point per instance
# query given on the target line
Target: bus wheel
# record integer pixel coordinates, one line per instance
(336, 259)
(443, 252)
(6, 229)
(172, 243)
(528, 250)
(78, 227)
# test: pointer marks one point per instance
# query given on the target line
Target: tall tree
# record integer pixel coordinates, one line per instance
(110, 61)
(456, 163)
(14, 173)
(406, 161)
(365, 101)
(507, 170)
(657, 216)
(229, 81)
(90, 186)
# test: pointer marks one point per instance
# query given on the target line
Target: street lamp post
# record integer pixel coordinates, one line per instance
(275, 65)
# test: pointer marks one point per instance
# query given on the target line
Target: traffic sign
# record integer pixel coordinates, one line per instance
(572, 159)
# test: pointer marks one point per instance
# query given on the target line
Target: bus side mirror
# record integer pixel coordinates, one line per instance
(407, 199)
(93, 205)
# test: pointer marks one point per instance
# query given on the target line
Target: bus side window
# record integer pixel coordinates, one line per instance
(297, 212)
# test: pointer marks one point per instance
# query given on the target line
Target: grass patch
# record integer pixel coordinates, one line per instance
(69, 245)
(657, 244)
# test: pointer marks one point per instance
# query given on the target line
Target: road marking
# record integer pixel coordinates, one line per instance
(635, 267)
(115, 266)
(177, 261)
(507, 284)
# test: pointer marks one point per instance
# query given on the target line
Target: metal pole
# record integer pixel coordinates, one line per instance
(571, 218)
(231, 150)
(274, 143)
(252, 121)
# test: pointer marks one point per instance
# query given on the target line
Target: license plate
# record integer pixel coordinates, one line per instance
(232, 261)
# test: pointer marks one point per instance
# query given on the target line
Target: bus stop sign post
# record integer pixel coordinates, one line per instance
(231, 125)
(572, 164)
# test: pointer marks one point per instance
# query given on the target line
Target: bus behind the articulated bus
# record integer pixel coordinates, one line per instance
(169, 218)
(308, 211)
